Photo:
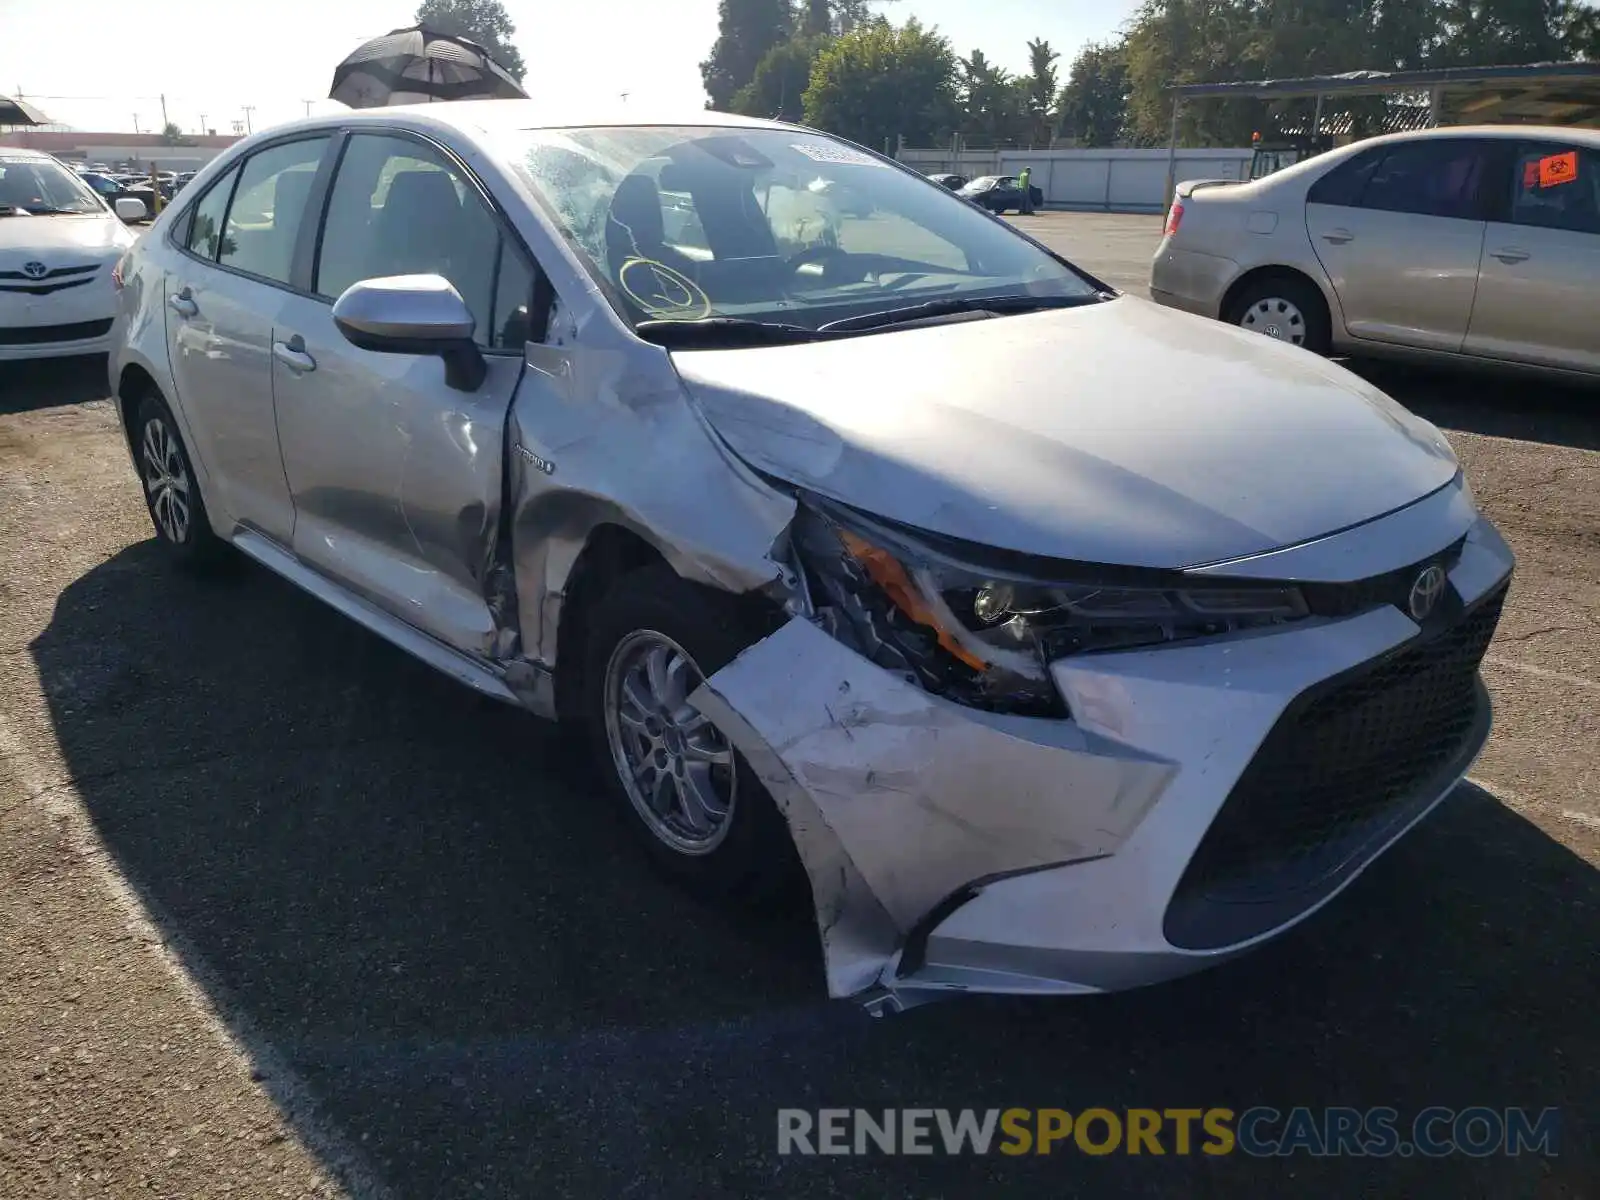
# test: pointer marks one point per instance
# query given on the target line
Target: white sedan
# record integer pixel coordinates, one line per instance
(59, 247)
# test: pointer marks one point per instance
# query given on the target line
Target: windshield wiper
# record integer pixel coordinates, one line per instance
(713, 332)
(955, 305)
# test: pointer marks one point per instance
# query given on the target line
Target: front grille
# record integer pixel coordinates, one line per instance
(39, 335)
(1347, 762)
(41, 289)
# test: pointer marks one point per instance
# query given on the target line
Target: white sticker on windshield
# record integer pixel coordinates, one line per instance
(827, 152)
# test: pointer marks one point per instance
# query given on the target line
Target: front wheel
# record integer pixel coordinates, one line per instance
(1285, 309)
(690, 797)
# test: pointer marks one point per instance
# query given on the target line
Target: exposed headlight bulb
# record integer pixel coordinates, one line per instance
(993, 602)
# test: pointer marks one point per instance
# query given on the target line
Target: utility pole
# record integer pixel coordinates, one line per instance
(203, 129)
(248, 109)
(136, 122)
(307, 103)
(164, 121)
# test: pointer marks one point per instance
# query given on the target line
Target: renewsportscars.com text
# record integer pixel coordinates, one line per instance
(1261, 1131)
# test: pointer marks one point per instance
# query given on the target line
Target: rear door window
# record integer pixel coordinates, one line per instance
(1344, 184)
(1434, 177)
(268, 205)
(1556, 186)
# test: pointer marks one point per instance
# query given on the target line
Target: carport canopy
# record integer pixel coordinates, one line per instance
(1559, 93)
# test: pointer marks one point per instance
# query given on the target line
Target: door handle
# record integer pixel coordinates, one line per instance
(292, 354)
(1510, 254)
(183, 303)
(1338, 236)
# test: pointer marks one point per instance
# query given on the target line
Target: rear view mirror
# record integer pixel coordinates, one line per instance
(413, 314)
(131, 208)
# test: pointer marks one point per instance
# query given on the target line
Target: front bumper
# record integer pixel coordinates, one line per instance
(955, 850)
(76, 320)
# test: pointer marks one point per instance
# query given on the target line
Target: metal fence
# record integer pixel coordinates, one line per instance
(1103, 180)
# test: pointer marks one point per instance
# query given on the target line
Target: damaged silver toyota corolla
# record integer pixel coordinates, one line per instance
(1064, 642)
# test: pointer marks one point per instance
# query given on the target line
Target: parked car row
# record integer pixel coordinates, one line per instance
(997, 193)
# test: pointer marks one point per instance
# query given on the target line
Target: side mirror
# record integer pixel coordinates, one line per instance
(131, 208)
(413, 314)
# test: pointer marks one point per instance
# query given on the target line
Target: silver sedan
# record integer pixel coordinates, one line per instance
(1469, 245)
(1058, 642)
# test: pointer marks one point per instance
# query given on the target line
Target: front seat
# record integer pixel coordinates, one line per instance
(419, 227)
(635, 229)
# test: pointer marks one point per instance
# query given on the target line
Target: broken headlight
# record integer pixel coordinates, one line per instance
(985, 639)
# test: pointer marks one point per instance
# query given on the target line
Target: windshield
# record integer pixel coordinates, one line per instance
(44, 186)
(771, 225)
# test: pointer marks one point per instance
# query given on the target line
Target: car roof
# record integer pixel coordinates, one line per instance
(19, 154)
(1554, 133)
(498, 116)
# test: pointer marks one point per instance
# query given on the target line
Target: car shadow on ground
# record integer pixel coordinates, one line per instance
(1490, 404)
(420, 902)
(50, 382)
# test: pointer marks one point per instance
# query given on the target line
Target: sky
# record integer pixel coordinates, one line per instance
(104, 64)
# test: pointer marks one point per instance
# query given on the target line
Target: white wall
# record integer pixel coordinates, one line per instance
(1109, 180)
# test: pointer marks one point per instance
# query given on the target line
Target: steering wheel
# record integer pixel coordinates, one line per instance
(822, 252)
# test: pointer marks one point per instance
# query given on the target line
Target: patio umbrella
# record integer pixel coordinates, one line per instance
(415, 65)
(19, 112)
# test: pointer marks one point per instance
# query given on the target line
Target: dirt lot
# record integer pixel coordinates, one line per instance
(283, 914)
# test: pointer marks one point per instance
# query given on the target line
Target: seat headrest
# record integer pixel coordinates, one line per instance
(635, 221)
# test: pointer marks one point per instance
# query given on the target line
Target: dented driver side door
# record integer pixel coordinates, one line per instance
(397, 477)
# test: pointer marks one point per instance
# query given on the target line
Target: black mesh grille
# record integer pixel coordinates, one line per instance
(38, 335)
(1345, 762)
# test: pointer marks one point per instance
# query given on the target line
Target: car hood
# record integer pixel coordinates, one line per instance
(23, 239)
(1116, 433)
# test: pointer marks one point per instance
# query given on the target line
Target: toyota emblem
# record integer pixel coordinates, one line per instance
(1425, 592)
(35, 270)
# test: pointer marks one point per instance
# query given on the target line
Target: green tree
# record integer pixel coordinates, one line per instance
(1040, 87)
(171, 135)
(1094, 104)
(747, 30)
(816, 18)
(483, 21)
(878, 82)
(782, 77)
(992, 103)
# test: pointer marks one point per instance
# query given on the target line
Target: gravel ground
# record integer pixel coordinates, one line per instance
(284, 914)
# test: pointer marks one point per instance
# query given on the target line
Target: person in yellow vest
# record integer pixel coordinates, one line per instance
(1025, 181)
(160, 201)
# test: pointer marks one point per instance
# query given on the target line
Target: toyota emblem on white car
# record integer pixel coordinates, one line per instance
(1425, 592)
(35, 270)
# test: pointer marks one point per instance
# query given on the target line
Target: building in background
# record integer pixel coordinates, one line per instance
(129, 151)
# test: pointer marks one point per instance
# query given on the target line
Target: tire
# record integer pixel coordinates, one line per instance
(1287, 304)
(171, 489)
(748, 856)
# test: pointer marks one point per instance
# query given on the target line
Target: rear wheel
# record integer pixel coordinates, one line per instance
(1285, 309)
(171, 491)
(690, 797)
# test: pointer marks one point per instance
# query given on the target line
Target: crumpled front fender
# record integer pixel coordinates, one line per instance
(899, 801)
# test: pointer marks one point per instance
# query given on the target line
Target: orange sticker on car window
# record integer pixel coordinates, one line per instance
(1530, 175)
(1558, 169)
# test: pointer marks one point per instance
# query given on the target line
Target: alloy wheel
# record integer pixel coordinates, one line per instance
(675, 765)
(166, 480)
